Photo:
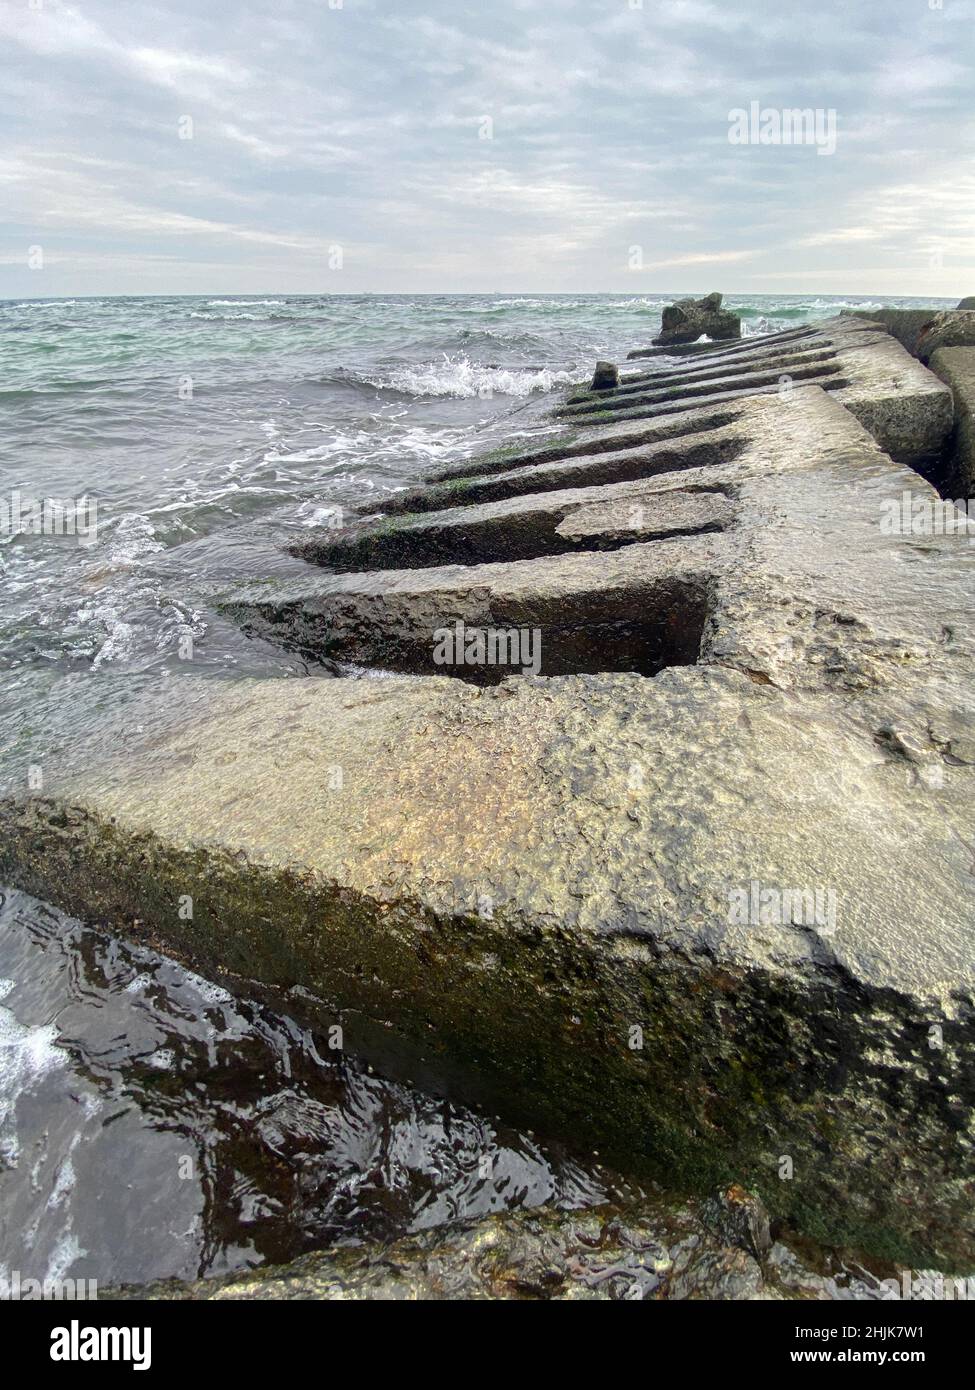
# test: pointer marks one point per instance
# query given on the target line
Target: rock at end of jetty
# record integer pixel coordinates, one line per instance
(688, 319)
(606, 377)
(967, 303)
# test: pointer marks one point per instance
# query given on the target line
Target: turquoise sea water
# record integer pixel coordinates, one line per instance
(210, 432)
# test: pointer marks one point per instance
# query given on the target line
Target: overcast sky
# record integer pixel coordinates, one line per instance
(362, 125)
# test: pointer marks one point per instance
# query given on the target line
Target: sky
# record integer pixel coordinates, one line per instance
(342, 146)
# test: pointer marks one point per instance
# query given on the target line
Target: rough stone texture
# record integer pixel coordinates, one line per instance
(622, 460)
(508, 880)
(650, 1250)
(906, 325)
(606, 376)
(905, 407)
(651, 389)
(956, 367)
(521, 528)
(695, 349)
(952, 329)
(688, 319)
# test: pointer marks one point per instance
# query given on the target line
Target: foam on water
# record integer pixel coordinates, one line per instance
(26, 1055)
(459, 376)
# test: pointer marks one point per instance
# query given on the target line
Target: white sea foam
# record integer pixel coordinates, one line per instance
(26, 1055)
(243, 303)
(844, 304)
(222, 318)
(359, 448)
(67, 1250)
(163, 1059)
(47, 304)
(459, 376)
(129, 538)
(639, 303)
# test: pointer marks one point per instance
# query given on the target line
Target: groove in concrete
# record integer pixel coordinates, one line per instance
(610, 435)
(645, 393)
(722, 347)
(578, 469)
(521, 528)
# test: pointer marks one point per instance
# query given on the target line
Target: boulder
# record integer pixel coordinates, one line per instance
(967, 303)
(688, 319)
(953, 328)
(605, 377)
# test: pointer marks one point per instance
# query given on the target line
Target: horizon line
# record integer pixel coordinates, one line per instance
(456, 294)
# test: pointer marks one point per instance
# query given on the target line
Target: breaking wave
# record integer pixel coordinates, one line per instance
(461, 377)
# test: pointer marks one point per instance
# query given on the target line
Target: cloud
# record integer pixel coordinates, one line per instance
(362, 125)
(704, 258)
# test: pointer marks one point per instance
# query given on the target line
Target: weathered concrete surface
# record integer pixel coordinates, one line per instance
(956, 368)
(583, 463)
(652, 388)
(687, 319)
(568, 443)
(515, 878)
(946, 330)
(720, 1249)
(905, 407)
(906, 325)
(693, 349)
(522, 528)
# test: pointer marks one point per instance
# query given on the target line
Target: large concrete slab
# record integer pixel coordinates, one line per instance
(716, 922)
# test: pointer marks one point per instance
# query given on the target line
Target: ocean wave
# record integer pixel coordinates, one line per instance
(225, 318)
(471, 337)
(463, 378)
(132, 537)
(642, 302)
(795, 311)
(790, 312)
(271, 317)
(44, 304)
(244, 303)
(847, 304)
(360, 449)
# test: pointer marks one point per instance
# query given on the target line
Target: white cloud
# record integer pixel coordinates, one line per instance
(360, 125)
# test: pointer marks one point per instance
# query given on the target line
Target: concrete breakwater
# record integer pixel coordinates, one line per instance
(699, 892)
